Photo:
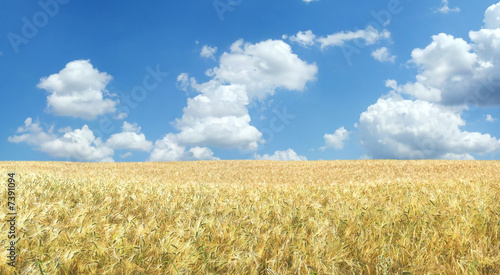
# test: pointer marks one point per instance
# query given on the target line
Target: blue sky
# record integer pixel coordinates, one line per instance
(239, 79)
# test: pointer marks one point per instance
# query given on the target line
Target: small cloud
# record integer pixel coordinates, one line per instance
(445, 9)
(489, 118)
(383, 55)
(121, 116)
(281, 155)
(65, 129)
(369, 35)
(208, 52)
(131, 138)
(308, 1)
(304, 39)
(169, 149)
(78, 90)
(183, 81)
(126, 155)
(337, 139)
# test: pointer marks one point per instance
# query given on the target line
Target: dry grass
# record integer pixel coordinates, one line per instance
(256, 217)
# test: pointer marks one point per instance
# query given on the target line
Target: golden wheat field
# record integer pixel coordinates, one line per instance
(255, 217)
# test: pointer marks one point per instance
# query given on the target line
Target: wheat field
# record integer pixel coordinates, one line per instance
(255, 217)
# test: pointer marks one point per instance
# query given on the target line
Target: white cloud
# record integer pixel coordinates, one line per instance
(307, 1)
(121, 115)
(263, 67)
(168, 149)
(218, 116)
(201, 153)
(208, 52)
(80, 144)
(337, 139)
(492, 17)
(183, 81)
(447, 67)
(369, 35)
(489, 118)
(383, 55)
(78, 90)
(454, 72)
(33, 134)
(417, 90)
(64, 129)
(130, 139)
(281, 155)
(446, 9)
(126, 155)
(407, 129)
(304, 39)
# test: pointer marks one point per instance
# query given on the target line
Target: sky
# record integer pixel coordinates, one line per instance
(130, 81)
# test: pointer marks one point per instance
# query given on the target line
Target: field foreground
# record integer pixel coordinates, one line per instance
(255, 217)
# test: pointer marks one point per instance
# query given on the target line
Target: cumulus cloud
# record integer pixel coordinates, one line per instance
(131, 138)
(455, 72)
(491, 17)
(281, 155)
(208, 52)
(79, 144)
(304, 39)
(446, 9)
(369, 36)
(78, 90)
(489, 118)
(263, 67)
(383, 55)
(447, 68)
(337, 139)
(218, 115)
(168, 149)
(452, 75)
(396, 128)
